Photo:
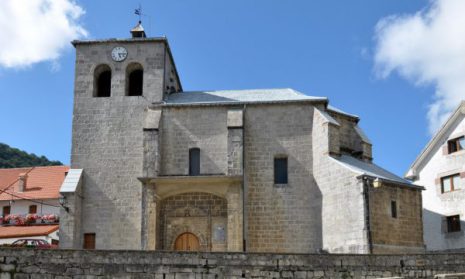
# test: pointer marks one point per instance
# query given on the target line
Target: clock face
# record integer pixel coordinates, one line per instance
(119, 54)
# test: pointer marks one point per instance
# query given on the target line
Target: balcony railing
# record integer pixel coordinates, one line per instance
(28, 219)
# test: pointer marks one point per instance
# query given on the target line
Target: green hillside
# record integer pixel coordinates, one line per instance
(14, 158)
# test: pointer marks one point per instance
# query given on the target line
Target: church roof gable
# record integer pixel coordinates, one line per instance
(437, 140)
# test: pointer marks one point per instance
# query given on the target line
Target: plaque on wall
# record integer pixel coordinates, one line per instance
(219, 234)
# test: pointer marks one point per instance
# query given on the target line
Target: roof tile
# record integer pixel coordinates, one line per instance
(26, 231)
(42, 182)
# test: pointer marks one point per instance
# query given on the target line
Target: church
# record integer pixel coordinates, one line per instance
(154, 167)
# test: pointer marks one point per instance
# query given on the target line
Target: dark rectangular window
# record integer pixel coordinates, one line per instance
(453, 223)
(32, 209)
(393, 209)
(455, 145)
(6, 210)
(194, 161)
(450, 183)
(89, 241)
(280, 170)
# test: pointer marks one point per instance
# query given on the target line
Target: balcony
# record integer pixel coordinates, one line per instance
(29, 219)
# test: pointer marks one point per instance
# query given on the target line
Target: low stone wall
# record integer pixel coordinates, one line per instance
(31, 264)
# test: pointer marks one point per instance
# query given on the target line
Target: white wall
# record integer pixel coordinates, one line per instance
(22, 207)
(437, 205)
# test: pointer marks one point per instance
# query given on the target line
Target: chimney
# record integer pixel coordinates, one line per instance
(138, 31)
(22, 182)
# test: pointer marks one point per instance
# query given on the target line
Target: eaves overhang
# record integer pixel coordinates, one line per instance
(392, 182)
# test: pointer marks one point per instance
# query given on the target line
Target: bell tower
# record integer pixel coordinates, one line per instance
(116, 81)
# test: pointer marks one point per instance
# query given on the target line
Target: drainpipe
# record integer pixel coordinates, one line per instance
(366, 197)
(244, 187)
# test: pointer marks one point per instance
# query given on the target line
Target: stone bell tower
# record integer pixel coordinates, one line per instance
(116, 81)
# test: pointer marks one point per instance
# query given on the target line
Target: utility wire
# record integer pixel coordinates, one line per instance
(24, 198)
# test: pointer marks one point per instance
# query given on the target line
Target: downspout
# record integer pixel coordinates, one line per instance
(244, 187)
(366, 197)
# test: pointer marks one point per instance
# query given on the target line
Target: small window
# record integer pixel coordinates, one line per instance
(450, 183)
(393, 209)
(134, 79)
(453, 223)
(6, 210)
(280, 170)
(102, 81)
(89, 241)
(194, 161)
(32, 209)
(455, 145)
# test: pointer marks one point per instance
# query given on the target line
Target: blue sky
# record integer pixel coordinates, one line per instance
(321, 48)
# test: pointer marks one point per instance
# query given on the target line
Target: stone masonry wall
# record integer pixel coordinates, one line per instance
(348, 137)
(396, 234)
(194, 127)
(343, 209)
(74, 264)
(108, 141)
(281, 217)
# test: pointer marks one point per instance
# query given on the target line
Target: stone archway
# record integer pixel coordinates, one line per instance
(160, 228)
(197, 213)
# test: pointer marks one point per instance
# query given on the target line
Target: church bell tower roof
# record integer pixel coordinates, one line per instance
(138, 31)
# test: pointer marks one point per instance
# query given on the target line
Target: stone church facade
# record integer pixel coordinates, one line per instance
(157, 168)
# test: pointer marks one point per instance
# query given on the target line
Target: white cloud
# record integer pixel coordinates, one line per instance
(33, 31)
(427, 47)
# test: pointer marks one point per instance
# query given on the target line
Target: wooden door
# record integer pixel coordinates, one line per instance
(187, 242)
(89, 241)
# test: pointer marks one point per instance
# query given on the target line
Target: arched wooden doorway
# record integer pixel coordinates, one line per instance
(187, 242)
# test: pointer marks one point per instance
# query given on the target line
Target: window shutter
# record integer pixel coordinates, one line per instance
(462, 174)
(437, 181)
(445, 149)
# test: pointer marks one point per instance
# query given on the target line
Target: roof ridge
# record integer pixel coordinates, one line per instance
(37, 167)
(236, 90)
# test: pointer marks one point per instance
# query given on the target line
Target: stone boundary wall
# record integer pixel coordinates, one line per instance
(31, 264)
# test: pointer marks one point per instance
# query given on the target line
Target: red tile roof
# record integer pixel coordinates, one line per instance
(42, 182)
(26, 231)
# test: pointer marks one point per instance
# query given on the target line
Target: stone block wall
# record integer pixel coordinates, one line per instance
(74, 264)
(281, 217)
(350, 137)
(194, 127)
(403, 232)
(108, 140)
(343, 210)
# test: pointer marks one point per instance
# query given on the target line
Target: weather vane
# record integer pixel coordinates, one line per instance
(139, 12)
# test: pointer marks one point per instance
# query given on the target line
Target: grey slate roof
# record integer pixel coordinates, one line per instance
(241, 97)
(369, 169)
(336, 110)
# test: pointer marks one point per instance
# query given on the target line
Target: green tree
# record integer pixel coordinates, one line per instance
(14, 158)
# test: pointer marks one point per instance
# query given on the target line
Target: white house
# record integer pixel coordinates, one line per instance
(29, 203)
(440, 167)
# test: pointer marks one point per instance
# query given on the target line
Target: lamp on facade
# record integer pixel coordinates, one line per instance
(62, 201)
(377, 183)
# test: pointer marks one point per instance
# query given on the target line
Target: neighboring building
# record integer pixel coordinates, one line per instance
(440, 167)
(256, 170)
(29, 202)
